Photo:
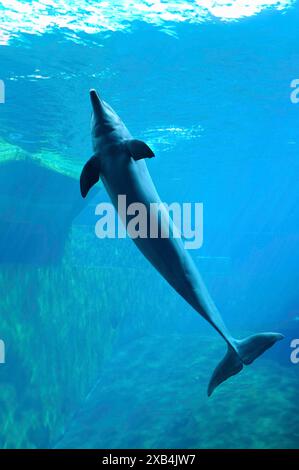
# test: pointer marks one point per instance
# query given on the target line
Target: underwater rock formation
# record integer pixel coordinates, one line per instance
(37, 206)
(152, 394)
(59, 323)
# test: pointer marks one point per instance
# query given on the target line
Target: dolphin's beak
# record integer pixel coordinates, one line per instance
(95, 101)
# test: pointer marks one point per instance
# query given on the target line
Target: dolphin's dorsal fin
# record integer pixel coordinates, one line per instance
(139, 149)
(90, 175)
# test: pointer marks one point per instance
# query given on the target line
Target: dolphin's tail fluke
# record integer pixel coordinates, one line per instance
(242, 352)
(230, 365)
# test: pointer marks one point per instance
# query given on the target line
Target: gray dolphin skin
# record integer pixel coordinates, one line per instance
(119, 161)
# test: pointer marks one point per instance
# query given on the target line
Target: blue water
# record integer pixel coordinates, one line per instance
(100, 352)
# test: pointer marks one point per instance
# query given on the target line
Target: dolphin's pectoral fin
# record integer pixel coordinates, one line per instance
(90, 175)
(139, 149)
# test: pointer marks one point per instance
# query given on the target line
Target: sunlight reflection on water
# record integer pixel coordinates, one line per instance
(20, 16)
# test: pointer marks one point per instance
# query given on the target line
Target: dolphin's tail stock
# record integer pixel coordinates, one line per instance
(241, 352)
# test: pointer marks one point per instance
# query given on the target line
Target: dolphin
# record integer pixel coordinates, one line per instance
(119, 160)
